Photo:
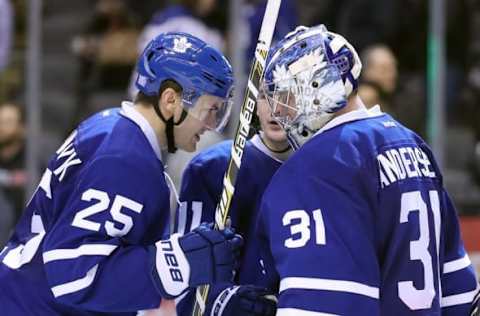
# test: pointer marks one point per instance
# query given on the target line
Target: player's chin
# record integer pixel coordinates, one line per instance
(192, 145)
(277, 134)
(190, 148)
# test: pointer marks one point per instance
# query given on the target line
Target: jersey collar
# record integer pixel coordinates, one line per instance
(129, 112)
(279, 157)
(355, 115)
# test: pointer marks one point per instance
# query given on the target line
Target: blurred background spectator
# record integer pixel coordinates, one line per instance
(12, 165)
(6, 37)
(143, 9)
(106, 53)
(379, 72)
(6, 218)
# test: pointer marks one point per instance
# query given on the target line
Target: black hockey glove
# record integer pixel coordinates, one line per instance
(242, 300)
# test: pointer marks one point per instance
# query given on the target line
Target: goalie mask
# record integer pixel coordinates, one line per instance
(308, 78)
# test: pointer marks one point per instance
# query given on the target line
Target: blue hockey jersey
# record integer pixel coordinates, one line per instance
(202, 184)
(357, 222)
(81, 246)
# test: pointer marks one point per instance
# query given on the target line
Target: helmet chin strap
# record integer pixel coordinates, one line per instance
(169, 124)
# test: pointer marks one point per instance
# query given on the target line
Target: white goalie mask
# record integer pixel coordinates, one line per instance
(309, 76)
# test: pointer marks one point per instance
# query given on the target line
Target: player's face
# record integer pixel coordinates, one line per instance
(213, 111)
(283, 107)
(207, 114)
(273, 132)
(188, 133)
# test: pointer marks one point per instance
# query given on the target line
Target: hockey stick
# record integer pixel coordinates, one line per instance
(246, 114)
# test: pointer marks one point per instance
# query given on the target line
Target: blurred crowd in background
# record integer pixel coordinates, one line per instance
(90, 47)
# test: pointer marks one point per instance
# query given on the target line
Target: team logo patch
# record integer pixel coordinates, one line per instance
(181, 44)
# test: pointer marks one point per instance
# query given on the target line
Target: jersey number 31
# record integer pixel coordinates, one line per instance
(415, 299)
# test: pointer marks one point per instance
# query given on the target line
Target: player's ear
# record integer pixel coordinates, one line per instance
(169, 102)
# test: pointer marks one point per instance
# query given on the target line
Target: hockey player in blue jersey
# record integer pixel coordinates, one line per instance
(356, 221)
(201, 188)
(93, 238)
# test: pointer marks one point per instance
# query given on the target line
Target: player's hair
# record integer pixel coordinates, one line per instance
(153, 99)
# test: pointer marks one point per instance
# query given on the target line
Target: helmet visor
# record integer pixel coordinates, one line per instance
(213, 111)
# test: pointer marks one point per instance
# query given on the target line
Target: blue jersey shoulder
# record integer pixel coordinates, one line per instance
(110, 133)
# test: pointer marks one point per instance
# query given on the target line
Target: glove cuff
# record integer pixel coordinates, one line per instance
(172, 267)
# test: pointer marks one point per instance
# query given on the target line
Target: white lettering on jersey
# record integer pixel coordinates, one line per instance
(404, 162)
(45, 183)
(67, 150)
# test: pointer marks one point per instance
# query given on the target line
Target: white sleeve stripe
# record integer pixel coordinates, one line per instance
(329, 285)
(77, 285)
(459, 299)
(300, 312)
(83, 250)
(456, 265)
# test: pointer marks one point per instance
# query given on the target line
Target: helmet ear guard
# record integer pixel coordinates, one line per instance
(317, 70)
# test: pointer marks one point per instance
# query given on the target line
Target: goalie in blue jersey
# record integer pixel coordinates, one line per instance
(357, 221)
(202, 184)
(94, 240)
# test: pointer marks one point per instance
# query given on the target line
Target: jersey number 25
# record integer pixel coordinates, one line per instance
(80, 220)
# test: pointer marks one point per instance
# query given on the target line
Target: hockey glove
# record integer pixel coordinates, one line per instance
(243, 300)
(203, 256)
(476, 305)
